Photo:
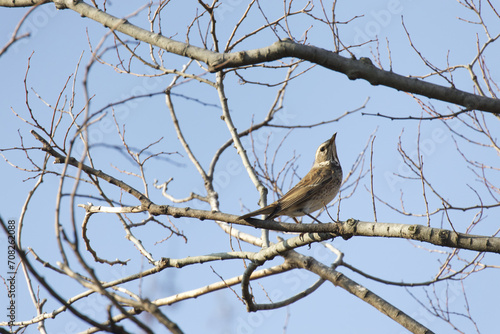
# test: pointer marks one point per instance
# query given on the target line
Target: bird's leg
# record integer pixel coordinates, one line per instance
(301, 236)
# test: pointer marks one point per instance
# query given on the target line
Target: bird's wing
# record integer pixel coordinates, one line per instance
(314, 181)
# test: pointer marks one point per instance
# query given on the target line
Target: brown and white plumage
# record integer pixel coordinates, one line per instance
(318, 188)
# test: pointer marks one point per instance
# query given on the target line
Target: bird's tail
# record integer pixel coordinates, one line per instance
(269, 210)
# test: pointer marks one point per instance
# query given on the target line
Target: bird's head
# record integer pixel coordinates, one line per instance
(327, 153)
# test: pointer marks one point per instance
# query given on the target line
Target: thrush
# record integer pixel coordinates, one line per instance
(318, 188)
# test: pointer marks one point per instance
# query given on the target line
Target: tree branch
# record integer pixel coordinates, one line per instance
(59, 158)
(346, 229)
(340, 280)
(357, 69)
(352, 68)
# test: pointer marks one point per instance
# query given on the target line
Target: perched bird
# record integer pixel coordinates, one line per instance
(314, 191)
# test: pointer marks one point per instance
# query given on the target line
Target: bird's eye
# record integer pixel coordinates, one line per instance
(322, 149)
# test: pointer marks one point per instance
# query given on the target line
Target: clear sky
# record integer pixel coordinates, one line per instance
(59, 38)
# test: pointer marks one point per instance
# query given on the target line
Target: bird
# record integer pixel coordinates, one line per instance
(318, 188)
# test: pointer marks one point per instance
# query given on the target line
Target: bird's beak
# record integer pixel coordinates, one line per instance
(332, 140)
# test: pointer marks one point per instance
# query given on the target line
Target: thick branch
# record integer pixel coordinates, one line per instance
(340, 280)
(354, 69)
(352, 227)
(346, 229)
(357, 69)
(20, 3)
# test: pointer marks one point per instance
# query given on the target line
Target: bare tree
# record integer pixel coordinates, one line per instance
(218, 93)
